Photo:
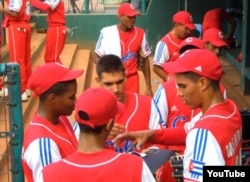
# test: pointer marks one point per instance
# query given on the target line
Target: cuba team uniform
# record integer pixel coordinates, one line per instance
(139, 114)
(167, 49)
(173, 113)
(127, 46)
(206, 144)
(57, 30)
(105, 166)
(45, 143)
(19, 34)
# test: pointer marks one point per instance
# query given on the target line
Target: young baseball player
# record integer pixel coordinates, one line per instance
(198, 86)
(140, 112)
(172, 110)
(92, 161)
(57, 30)
(50, 136)
(214, 18)
(213, 39)
(167, 49)
(16, 20)
(128, 42)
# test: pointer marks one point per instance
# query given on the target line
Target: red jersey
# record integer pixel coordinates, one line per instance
(39, 129)
(104, 166)
(23, 9)
(213, 19)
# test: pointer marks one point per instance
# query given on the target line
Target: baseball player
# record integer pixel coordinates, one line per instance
(50, 136)
(16, 20)
(92, 161)
(167, 49)
(172, 110)
(213, 39)
(198, 86)
(128, 42)
(214, 18)
(57, 30)
(140, 112)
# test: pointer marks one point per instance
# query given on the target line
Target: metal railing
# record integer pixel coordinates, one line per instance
(11, 125)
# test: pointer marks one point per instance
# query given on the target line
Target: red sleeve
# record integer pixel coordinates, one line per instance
(170, 136)
(40, 5)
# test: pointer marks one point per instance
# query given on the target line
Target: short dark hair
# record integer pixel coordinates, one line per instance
(58, 89)
(109, 63)
(87, 129)
(195, 77)
(187, 47)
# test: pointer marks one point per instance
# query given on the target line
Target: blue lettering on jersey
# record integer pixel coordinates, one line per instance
(147, 47)
(121, 148)
(128, 56)
(178, 119)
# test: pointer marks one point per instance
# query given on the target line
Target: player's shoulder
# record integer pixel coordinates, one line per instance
(108, 28)
(139, 29)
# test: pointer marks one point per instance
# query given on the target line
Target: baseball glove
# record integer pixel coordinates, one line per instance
(176, 163)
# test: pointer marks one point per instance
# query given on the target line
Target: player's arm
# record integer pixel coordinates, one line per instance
(160, 104)
(40, 153)
(147, 76)
(201, 149)
(9, 12)
(146, 51)
(46, 5)
(160, 56)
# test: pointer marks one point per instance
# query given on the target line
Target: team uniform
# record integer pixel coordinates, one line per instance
(213, 19)
(139, 114)
(127, 46)
(45, 143)
(205, 143)
(104, 166)
(167, 49)
(57, 30)
(19, 33)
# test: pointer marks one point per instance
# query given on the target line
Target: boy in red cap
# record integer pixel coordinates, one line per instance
(173, 112)
(167, 49)
(50, 136)
(198, 86)
(213, 39)
(214, 18)
(92, 161)
(129, 43)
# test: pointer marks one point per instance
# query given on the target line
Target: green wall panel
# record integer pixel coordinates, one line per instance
(156, 21)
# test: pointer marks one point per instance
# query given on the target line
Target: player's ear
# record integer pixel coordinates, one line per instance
(110, 125)
(203, 83)
(97, 79)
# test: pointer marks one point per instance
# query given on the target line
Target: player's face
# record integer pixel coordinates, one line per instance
(214, 49)
(182, 31)
(127, 22)
(65, 103)
(115, 83)
(188, 90)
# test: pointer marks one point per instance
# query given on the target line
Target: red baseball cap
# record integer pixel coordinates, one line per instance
(127, 9)
(200, 61)
(214, 36)
(47, 75)
(98, 105)
(184, 18)
(191, 41)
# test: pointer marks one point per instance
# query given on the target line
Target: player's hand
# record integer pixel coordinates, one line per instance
(116, 129)
(149, 92)
(140, 137)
